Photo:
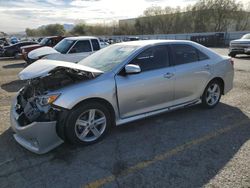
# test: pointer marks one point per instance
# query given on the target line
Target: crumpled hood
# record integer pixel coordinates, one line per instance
(42, 68)
(40, 52)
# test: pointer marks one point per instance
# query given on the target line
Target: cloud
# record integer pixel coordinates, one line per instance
(16, 15)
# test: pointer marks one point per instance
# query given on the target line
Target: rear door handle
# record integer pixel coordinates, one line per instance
(168, 75)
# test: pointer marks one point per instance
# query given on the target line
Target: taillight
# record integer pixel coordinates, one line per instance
(231, 61)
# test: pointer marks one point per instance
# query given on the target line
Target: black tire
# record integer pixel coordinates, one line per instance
(206, 92)
(70, 125)
(16, 55)
(232, 54)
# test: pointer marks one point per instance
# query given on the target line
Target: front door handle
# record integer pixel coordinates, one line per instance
(168, 75)
(207, 66)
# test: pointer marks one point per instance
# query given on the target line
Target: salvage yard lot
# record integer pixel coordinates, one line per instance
(191, 147)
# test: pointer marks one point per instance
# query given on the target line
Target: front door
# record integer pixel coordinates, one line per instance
(79, 51)
(149, 90)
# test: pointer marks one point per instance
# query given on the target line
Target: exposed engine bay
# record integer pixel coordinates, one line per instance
(32, 102)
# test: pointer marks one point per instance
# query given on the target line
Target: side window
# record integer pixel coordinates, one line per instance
(153, 58)
(81, 46)
(53, 41)
(202, 56)
(184, 54)
(95, 44)
(49, 42)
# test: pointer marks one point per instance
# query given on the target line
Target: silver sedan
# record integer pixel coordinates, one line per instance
(78, 103)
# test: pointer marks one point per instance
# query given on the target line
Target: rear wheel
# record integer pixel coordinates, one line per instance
(212, 94)
(88, 123)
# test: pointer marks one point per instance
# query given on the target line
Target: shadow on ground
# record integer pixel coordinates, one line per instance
(15, 65)
(13, 86)
(243, 57)
(131, 144)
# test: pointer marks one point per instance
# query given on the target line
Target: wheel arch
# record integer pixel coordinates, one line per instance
(101, 101)
(220, 80)
(60, 128)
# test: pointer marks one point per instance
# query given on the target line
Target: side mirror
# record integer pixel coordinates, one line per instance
(132, 69)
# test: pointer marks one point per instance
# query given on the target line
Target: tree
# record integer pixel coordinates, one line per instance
(54, 29)
(30, 32)
(49, 30)
(79, 29)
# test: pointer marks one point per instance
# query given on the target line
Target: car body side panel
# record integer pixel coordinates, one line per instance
(190, 79)
(144, 92)
(224, 69)
(100, 87)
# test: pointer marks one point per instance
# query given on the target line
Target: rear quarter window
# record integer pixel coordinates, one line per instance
(184, 53)
(95, 44)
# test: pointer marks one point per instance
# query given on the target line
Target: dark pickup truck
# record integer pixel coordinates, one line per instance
(14, 49)
(47, 41)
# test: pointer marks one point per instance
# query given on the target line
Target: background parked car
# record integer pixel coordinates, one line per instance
(4, 42)
(47, 41)
(240, 46)
(71, 49)
(40, 39)
(14, 50)
(14, 40)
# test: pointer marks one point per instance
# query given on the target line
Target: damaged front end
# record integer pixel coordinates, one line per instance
(34, 117)
(36, 98)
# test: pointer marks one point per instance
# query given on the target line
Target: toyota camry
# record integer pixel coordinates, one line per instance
(79, 103)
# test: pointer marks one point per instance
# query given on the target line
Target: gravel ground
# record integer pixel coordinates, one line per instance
(191, 147)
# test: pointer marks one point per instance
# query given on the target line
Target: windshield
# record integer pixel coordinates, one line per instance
(64, 45)
(44, 41)
(247, 36)
(107, 58)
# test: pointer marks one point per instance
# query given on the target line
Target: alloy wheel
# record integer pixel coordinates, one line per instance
(213, 94)
(90, 125)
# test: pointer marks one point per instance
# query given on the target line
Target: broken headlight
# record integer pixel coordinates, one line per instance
(47, 99)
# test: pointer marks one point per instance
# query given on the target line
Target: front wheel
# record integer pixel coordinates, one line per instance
(212, 94)
(88, 123)
(232, 54)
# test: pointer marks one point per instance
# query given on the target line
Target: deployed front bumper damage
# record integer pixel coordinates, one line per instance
(37, 137)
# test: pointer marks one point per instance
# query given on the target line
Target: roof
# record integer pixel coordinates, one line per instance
(150, 42)
(81, 38)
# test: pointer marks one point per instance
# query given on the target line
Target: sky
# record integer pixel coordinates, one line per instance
(16, 15)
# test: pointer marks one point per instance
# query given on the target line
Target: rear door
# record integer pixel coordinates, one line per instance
(192, 72)
(151, 89)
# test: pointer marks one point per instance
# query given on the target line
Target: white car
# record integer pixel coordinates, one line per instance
(70, 49)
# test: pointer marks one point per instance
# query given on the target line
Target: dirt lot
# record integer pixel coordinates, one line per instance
(187, 148)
